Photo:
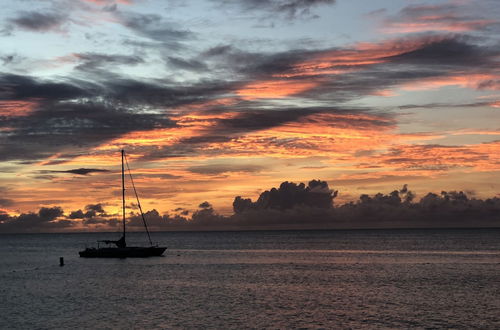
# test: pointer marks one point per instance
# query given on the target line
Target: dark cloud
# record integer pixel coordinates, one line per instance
(65, 116)
(91, 211)
(205, 205)
(4, 217)
(449, 209)
(17, 87)
(253, 64)
(57, 127)
(162, 94)
(6, 202)
(393, 210)
(289, 195)
(39, 22)
(110, 8)
(444, 105)
(250, 120)
(46, 219)
(456, 51)
(50, 213)
(445, 17)
(432, 57)
(96, 208)
(300, 206)
(118, 90)
(79, 171)
(156, 221)
(297, 206)
(254, 120)
(9, 59)
(76, 113)
(76, 215)
(290, 206)
(92, 61)
(258, 120)
(189, 65)
(154, 27)
(288, 9)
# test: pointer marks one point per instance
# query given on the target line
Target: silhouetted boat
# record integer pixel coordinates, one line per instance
(122, 250)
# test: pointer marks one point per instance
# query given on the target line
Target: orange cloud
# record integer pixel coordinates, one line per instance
(274, 88)
(324, 134)
(350, 146)
(480, 157)
(17, 108)
(464, 80)
(384, 93)
(473, 132)
(335, 62)
(433, 23)
(188, 126)
(98, 158)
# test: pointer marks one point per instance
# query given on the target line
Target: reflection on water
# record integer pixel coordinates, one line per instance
(329, 279)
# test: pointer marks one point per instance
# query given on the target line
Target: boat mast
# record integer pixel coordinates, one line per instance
(123, 193)
(138, 201)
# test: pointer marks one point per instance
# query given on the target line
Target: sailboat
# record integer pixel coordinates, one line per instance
(122, 250)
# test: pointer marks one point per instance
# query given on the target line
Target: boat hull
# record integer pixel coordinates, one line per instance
(124, 252)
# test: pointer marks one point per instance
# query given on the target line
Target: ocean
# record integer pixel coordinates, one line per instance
(359, 279)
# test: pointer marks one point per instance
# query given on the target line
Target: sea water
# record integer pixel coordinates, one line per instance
(260, 279)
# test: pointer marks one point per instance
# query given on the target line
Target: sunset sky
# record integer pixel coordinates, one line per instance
(217, 98)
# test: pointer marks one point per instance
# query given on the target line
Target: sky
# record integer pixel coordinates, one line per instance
(215, 99)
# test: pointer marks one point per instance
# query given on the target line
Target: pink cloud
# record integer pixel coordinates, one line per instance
(454, 17)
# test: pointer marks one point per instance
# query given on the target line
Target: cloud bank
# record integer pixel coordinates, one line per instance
(291, 206)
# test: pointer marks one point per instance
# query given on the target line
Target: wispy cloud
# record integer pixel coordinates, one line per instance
(154, 27)
(441, 18)
(287, 9)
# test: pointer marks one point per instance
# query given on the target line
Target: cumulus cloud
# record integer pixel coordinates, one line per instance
(291, 206)
(46, 219)
(91, 211)
(289, 195)
(156, 221)
(393, 210)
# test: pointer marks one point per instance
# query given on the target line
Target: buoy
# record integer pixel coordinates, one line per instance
(61, 261)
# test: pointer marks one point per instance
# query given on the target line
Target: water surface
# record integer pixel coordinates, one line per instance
(274, 279)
